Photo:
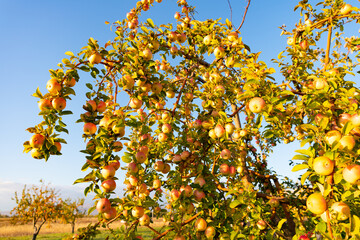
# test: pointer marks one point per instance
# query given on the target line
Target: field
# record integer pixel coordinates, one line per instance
(57, 231)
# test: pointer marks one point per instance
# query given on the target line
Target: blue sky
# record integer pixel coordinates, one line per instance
(35, 36)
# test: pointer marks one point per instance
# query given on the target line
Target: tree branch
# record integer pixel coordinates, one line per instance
(243, 20)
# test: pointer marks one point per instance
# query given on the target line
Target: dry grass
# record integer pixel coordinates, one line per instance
(9, 230)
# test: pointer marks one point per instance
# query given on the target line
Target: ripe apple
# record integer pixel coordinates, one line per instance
(44, 104)
(118, 146)
(58, 146)
(219, 52)
(92, 105)
(210, 232)
(115, 164)
(225, 154)
(144, 220)
(290, 41)
(181, 38)
(224, 169)
(133, 180)
(59, 103)
(200, 225)
(147, 54)
(111, 214)
(172, 36)
(323, 165)
(140, 157)
(184, 155)
(175, 194)
(340, 211)
(273, 202)
(232, 170)
(179, 237)
(219, 131)
(177, 16)
(70, 82)
(90, 128)
(256, 104)
(200, 181)
(229, 128)
(233, 36)
(37, 141)
(351, 173)
(198, 195)
(144, 149)
(101, 106)
(36, 153)
(207, 40)
(133, 167)
(346, 9)
(156, 88)
(95, 58)
(343, 119)
(108, 185)
(108, 172)
(347, 143)
(53, 86)
(138, 212)
(135, 103)
(166, 168)
(332, 136)
(157, 183)
(104, 122)
(188, 191)
(103, 205)
(304, 237)
(261, 224)
(166, 128)
(162, 137)
(159, 166)
(304, 44)
(355, 120)
(316, 203)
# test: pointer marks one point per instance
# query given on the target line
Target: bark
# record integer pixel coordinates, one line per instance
(73, 227)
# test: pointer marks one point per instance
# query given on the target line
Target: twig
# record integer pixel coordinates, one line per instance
(230, 12)
(243, 20)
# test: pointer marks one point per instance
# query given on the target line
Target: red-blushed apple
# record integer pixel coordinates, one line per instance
(229, 128)
(225, 154)
(200, 181)
(172, 36)
(111, 214)
(53, 86)
(104, 122)
(162, 137)
(233, 36)
(224, 169)
(256, 104)
(147, 54)
(219, 131)
(355, 120)
(37, 140)
(101, 107)
(95, 58)
(207, 40)
(304, 237)
(316, 203)
(140, 157)
(184, 155)
(144, 220)
(118, 146)
(103, 205)
(166, 168)
(91, 104)
(210, 232)
(176, 158)
(58, 103)
(304, 44)
(175, 194)
(159, 166)
(343, 119)
(156, 88)
(198, 195)
(200, 225)
(261, 224)
(339, 211)
(166, 128)
(179, 237)
(181, 38)
(115, 164)
(58, 146)
(232, 171)
(137, 212)
(212, 134)
(157, 183)
(323, 165)
(133, 167)
(108, 172)
(108, 185)
(133, 180)
(346, 9)
(347, 143)
(351, 173)
(219, 52)
(135, 103)
(89, 128)
(44, 104)
(36, 153)
(332, 136)
(188, 191)
(120, 131)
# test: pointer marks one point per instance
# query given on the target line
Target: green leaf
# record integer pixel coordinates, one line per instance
(150, 22)
(235, 203)
(281, 222)
(88, 85)
(300, 157)
(305, 152)
(126, 158)
(299, 167)
(38, 94)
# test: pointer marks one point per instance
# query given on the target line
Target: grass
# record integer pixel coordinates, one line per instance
(57, 231)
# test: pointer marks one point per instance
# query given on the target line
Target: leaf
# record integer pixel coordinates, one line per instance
(281, 222)
(305, 152)
(69, 53)
(88, 85)
(235, 203)
(150, 22)
(299, 167)
(304, 177)
(355, 225)
(300, 157)
(321, 187)
(38, 94)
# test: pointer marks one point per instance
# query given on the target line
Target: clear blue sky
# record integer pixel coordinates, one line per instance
(36, 34)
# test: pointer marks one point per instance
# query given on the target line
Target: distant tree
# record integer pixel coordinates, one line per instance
(71, 210)
(37, 204)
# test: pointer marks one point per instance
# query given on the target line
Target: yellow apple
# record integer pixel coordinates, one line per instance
(316, 203)
(351, 173)
(323, 165)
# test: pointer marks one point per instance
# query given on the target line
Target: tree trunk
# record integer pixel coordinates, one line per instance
(34, 236)
(73, 227)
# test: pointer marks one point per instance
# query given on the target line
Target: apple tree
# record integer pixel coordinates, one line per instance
(193, 115)
(36, 205)
(71, 210)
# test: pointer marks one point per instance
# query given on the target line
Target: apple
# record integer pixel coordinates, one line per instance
(343, 119)
(304, 44)
(70, 82)
(90, 128)
(175, 194)
(219, 131)
(198, 195)
(290, 41)
(140, 157)
(147, 54)
(120, 131)
(347, 143)
(135, 103)
(207, 40)
(156, 88)
(332, 136)
(92, 105)
(323, 165)
(166, 128)
(101, 106)
(166, 168)
(95, 58)
(200, 181)
(44, 104)
(181, 38)
(188, 191)
(316, 203)
(58, 103)
(340, 211)
(229, 128)
(304, 237)
(159, 166)
(232, 170)
(144, 149)
(172, 36)
(37, 141)
(108, 172)
(138, 212)
(111, 214)
(118, 146)
(200, 225)
(351, 173)
(177, 16)
(162, 137)
(58, 146)
(53, 86)
(36, 153)
(233, 36)
(104, 122)
(224, 169)
(115, 164)
(144, 220)
(133, 180)
(209, 232)
(108, 185)
(256, 104)
(273, 202)
(184, 155)
(219, 52)
(179, 237)
(103, 205)
(346, 9)
(261, 224)
(157, 183)
(133, 167)
(225, 154)
(355, 120)
(212, 134)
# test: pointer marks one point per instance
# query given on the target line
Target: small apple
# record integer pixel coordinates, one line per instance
(200, 225)
(118, 146)
(351, 173)
(53, 86)
(144, 220)
(103, 205)
(332, 136)
(147, 54)
(70, 82)
(157, 183)
(340, 211)
(44, 104)
(198, 195)
(111, 214)
(233, 36)
(137, 212)
(159, 166)
(256, 104)
(304, 44)
(343, 119)
(347, 143)
(166, 168)
(135, 103)
(133, 167)
(58, 146)
(346, 9)
(115, 164)
(323, 165)
(58, 103)
(37, 141)
(36, 153)
(162, 137)
(224, 169)
(316, 203)
(90, 128)
(95, 58)
(175, 194)
(166, 128)
(229, 127)
(188, 191)
(101, 106)
(210, 232)
(225, 154)
(290, 41)
(261, 224)
(108, 172)
(219, 52)
(200, 181)
(207, 40)
(156, 88)
(108, 185)
(140, 157)
(181, 38)
(219, 131)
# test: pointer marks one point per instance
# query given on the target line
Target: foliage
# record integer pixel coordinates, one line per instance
(202, 113)
(71, 210)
